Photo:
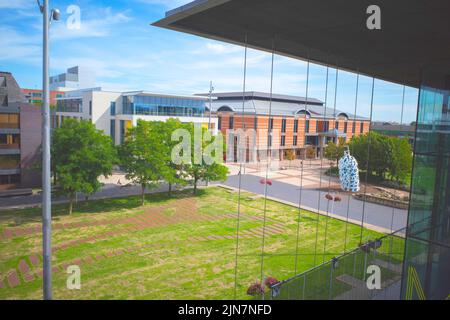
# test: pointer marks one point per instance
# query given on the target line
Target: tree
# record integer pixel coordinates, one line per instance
(81, 154)
(335, 151)
(400, 165)
(310, 153)
(144, 155)
(383, 155)
(172, 172)
(197, 167)
(290, 155)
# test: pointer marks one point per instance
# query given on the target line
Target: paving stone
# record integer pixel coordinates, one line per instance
(13, 279)
(88, 260)
(34, 260)
(23, 267)
(28, 277)
(7, 233)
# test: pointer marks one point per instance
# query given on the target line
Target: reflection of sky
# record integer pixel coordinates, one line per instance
(117, 43)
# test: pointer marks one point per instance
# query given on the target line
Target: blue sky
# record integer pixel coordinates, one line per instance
(117, 42)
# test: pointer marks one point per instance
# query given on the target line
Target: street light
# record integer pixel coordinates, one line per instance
(46, 184)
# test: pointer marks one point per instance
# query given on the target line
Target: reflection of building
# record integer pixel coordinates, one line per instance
(395, 130)
(34, 96)
(75, 78)
(334, 33)
(20, 137)
(114, 112)
(297, 122)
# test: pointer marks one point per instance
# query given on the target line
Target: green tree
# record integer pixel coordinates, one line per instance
(335, 151)
(400, 164)
(144, 155)
(80, 154)
(171, 173)
(383, 155)
(198, 168)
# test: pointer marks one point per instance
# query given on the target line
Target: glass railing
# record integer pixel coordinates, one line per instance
(345, 277)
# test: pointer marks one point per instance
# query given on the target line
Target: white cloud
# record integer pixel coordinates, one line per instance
(16, 4)
(17, 46)
(100, 26)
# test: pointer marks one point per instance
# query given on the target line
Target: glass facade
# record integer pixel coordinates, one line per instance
(427, 251)
(69, 105)
(163, 106)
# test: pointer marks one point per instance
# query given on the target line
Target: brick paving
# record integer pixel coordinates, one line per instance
(184, 210)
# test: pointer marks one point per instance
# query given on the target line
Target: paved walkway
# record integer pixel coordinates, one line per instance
(380, 216)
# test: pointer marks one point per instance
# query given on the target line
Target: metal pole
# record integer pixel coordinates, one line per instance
(211, 89)
(46, 184)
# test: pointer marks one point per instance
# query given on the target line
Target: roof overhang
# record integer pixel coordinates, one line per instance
(414, 33)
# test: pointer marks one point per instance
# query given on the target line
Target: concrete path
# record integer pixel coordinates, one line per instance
(384, 217)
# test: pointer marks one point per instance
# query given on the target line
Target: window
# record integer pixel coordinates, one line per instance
(113, 108)
(271, 123)
(255, 123)
(2, 81)
(113, 130)
(219, 123)
(295, 125)
(353, 127)
(122, 131)
(317, 126)
(295, 141)
(10, 161)
(307, 126)
(270, 140)
(283, 125)
(361, 128)
(283, 141)
(345, 127)
(326, 126)
(231, 122)
(9, 120)
(90, 108)
(4, 101)
(336, 125)
(10, 179)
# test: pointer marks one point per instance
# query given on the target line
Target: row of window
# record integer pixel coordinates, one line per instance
(9, 179)
(326, 125)
(9, 120)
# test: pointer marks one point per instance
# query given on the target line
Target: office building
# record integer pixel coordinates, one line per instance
(20, 137)
(296, 122)
(74, 78)
(115, 112)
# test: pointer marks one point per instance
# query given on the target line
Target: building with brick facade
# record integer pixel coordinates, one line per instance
(20, 137)
(296, 123)
(34, 96)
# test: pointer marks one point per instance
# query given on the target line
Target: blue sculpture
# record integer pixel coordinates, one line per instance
(349, 172)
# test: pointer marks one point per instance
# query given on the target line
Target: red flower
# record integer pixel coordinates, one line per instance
(256, 289)
(270, 282)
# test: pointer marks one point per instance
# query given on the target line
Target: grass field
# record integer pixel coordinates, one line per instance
(182, 247)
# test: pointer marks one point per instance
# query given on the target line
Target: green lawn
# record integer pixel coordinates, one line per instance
(178, 248)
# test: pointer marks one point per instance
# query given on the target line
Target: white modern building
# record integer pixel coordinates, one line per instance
(75, 78)
(115, 112)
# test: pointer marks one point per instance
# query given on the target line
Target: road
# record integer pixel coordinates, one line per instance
(374, 214)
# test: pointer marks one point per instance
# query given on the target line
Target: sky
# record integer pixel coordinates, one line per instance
(117, 42)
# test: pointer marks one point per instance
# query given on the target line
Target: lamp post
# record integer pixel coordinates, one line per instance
(211, 90)
(54, 14)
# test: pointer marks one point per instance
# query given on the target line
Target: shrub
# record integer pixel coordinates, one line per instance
(256, 289)
(270, 282)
